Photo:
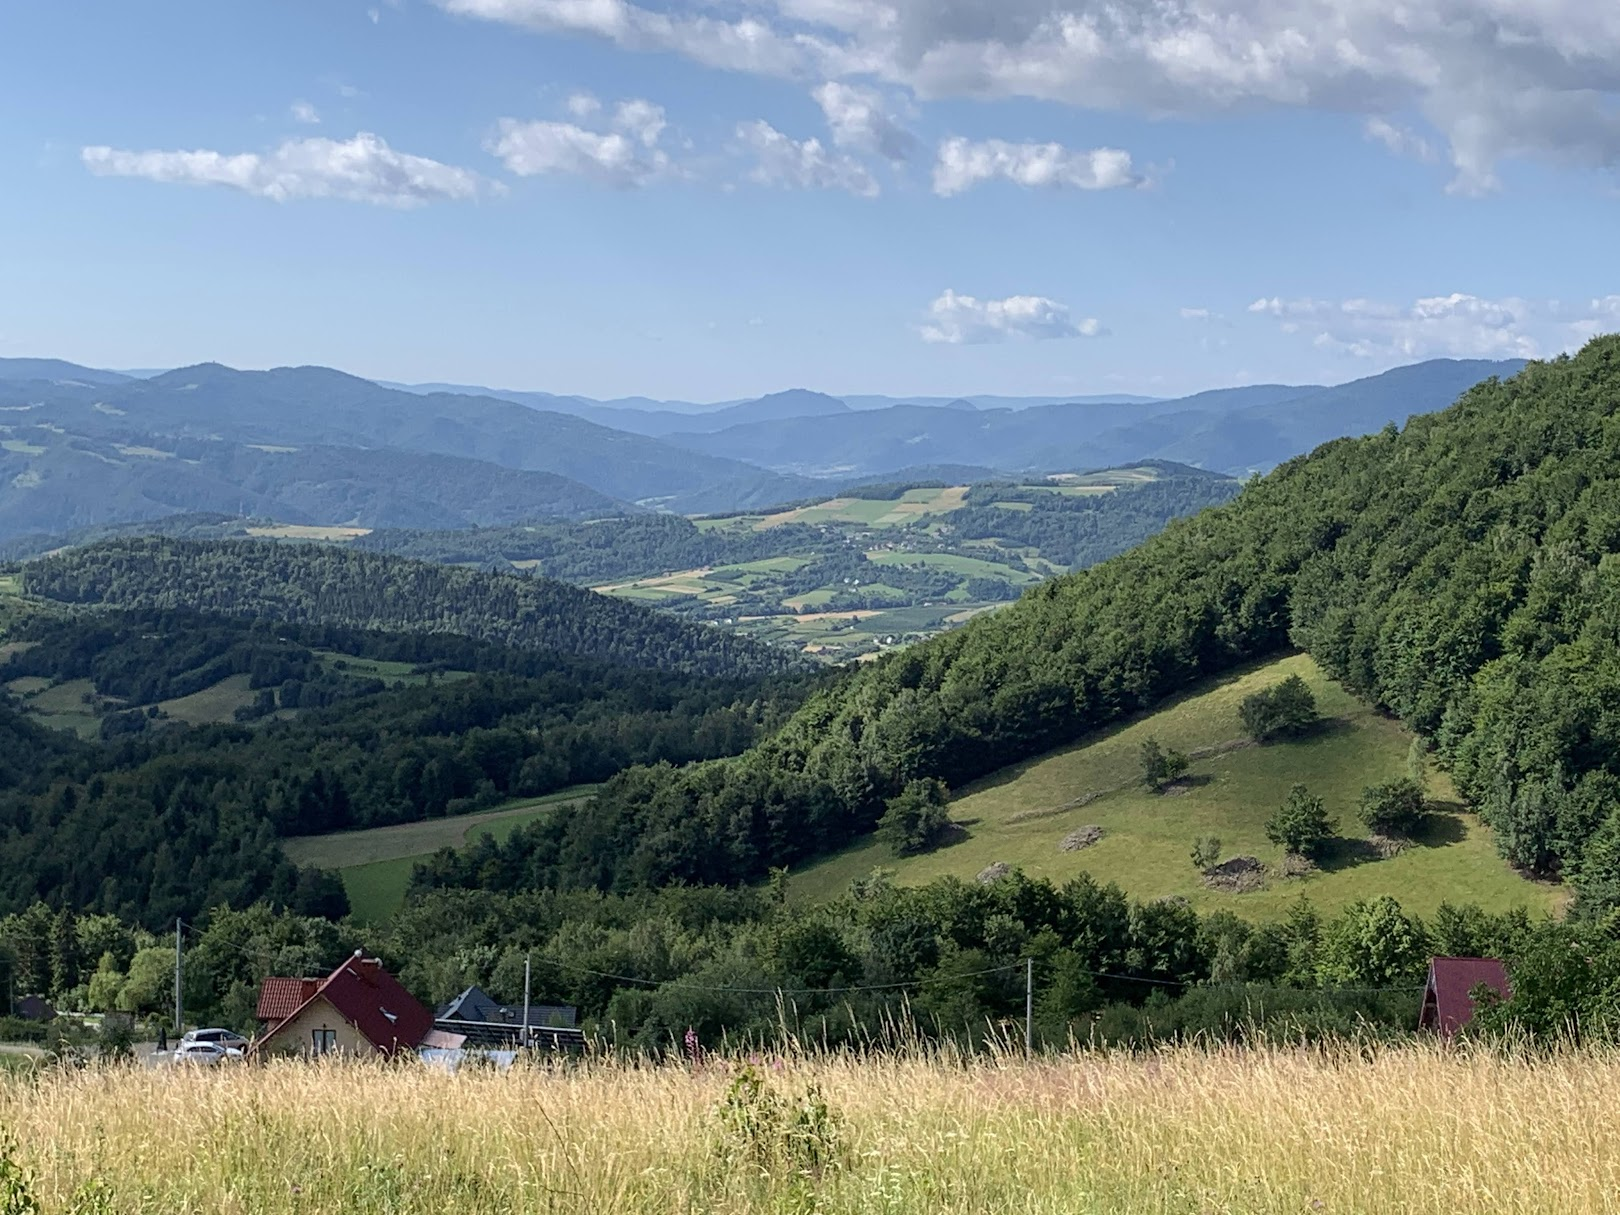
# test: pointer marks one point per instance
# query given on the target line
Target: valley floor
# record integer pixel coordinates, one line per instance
(1022, 815)
(1414, 1130)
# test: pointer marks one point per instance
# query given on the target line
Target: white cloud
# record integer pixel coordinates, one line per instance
(860, 119)
(1496, 80)
(1204, 316)
(531, 149)
(640, 119)
(1400, 140)
(963, 164)
(963, 320)
(362, 169)
(626, 155)
(746, 44)
(1455, 325)
(802, 164)
(303, 111)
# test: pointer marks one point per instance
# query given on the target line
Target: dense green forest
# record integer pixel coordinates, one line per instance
(325, 585)
(162, 818)
(948, 959)
(1458, 572)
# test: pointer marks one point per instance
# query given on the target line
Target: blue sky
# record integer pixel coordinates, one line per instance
(711, 199)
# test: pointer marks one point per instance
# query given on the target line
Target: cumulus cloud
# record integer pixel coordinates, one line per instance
(304, 112)
(362, 169)
(1455, 325)
(626, 155)
(1494, 79)
(861, 120)
(963, 164)
(780, 160)
(964, 320)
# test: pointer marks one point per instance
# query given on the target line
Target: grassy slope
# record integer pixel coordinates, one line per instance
(213, 704)
(376, 865)
(1018, 816)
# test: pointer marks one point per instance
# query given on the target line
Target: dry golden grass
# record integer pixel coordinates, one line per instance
(1406, 1130)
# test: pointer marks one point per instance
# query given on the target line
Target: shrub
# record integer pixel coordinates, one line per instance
(1161, 766)
(916, 819)
(1301, 824)
(1287, 710)
(1206, 851)
(1395, 805)
(775, 1134)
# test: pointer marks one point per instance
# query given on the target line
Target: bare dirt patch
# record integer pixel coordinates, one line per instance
(1081, 837)
(1240, 875)
(1387, 846)
(1295, 865)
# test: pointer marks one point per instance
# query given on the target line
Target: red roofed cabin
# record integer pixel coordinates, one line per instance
(357, 1010)
(1448, 1001)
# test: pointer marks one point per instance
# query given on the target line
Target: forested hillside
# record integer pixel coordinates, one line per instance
(306, 584)
(163, 819)
(1458, 572)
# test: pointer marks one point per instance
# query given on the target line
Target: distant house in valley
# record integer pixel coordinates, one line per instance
(1448, 996)
(484, 1023)
(34, 1008)
(358, 1010)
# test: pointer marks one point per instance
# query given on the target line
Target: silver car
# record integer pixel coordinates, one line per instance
(229, 1040)
(200, 1054)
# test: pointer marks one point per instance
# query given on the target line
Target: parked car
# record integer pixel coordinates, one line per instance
(229, 1040)
(200, 1054)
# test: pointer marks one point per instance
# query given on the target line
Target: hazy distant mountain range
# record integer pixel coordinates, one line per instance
(83, 447)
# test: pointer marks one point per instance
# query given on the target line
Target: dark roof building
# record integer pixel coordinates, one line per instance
(1448, 996)
(34, 1008)
(484, 1023)
(475, 1004)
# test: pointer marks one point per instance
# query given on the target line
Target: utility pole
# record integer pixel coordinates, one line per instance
(526, 958)
(178, 923)
(1029, 1007)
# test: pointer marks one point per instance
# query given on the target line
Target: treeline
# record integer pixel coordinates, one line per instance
(1459, 573)
(300, 583)
(949, 958)
(1079, 530)
(599, 551)
(166, 819)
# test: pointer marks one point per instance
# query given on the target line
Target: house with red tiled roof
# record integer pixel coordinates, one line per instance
(1448, 996)
(358, 1010)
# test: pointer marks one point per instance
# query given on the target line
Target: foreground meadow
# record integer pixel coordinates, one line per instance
(1408, 1129)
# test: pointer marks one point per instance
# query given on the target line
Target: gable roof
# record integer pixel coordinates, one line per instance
(280, 998)
(475, 1004)
(1447, 1002)
(367, 997)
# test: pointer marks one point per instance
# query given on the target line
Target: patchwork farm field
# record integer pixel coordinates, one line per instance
(1022, 816)
(1410, 1130)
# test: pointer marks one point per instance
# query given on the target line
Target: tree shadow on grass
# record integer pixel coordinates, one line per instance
(1346, 852)
(1442, 824)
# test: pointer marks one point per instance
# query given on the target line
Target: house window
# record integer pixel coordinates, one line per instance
(325, 1040)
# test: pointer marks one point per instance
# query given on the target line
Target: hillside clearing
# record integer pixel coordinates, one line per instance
(302, 531)
(1410, 1131)
(1020, 816)
(376, 864)
(218, 703)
